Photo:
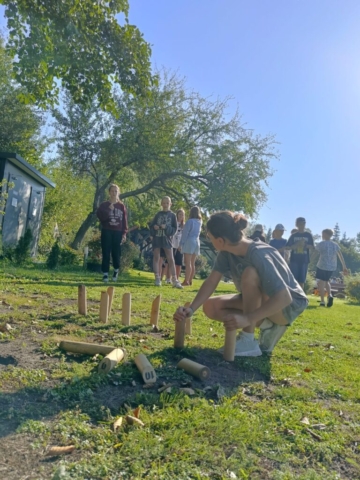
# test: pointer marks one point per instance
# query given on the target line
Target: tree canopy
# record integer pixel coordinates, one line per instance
(171, 142)
(79, 43)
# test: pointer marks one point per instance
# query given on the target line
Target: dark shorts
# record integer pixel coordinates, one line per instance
(178, 257)
(299, 270)
(323, 274)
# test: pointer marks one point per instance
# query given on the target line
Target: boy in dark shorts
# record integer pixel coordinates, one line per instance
(300, 243)
(329, 251)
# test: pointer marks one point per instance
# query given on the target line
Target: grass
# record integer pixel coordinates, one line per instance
(245, 422)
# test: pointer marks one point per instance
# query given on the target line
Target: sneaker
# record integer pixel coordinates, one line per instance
(330, 302)
(246, 347)
(105, 277)
(168, 281)
(270, 334)
(177, 284)
(157, 282)
(322, 304)
(115, 275)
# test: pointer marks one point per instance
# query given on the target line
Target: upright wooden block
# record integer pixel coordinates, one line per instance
(126, 309)
(104, 307)
(155, 311)
(82, 301)
(229, 347)
(110, 361)
(110, 292)
(179, 339)
(188, 322)
(145, 368)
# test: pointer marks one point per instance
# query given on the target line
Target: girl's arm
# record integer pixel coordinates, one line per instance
(125, 221)
(206, 290)
(103, 212)
(342, 260)
(185, 233)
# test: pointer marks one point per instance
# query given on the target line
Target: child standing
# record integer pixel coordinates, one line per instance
(190, 244)
(300, 243)
(277, 241)
(163, 227)
(270, 296)
(113, 218)
(178, 256)
(329, 250)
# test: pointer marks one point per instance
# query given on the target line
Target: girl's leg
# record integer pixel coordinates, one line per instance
(192, 263)
(322, 292)
(156, 262)
(116, 249)
(171, 264)
(106, 249)
(187, 268)
(178, 271)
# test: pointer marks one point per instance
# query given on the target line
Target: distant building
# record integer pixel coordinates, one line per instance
(25, 202)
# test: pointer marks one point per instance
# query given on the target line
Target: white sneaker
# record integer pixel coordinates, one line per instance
(168, 281)
(270, 334)
(115, 275)
(157, 282)
(247, 348)
(177, 284)
(105, 277)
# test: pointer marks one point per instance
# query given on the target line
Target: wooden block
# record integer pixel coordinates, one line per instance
(110, 292)
(82, 302)
(126, 309)
(194, 368)
(85, 348)
(188, 322)
(145, 368)
(179, 339)
(155, 311)
(229, 347)
(110, 361)
(104, 307)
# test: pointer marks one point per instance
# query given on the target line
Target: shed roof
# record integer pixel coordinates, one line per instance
(26, 167)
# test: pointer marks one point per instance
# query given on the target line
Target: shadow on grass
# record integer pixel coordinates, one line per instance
(94, 394)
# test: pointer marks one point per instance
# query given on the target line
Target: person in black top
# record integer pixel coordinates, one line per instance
(300, 243)
(258, 233)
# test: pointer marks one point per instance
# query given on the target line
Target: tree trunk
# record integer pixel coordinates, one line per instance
(80, 234)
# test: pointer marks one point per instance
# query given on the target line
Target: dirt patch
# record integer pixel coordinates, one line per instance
(24, 353)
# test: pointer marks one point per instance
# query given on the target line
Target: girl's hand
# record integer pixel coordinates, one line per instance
(123, 240)
(156, 227)
(234, 321)
(345, 271)
(182, 313)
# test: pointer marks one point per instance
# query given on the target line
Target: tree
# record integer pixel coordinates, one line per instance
(79, 43)
(336, 236)
(20, 125)
(268, 235)
(170, 142)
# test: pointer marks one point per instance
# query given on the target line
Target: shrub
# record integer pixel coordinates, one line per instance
(205, 272)
(95, 249)
(22, 250)
(62, 256)
(310, 283)
(129, 252)
(353, 287)
(139, 263)
(54, 256)
(201, 263)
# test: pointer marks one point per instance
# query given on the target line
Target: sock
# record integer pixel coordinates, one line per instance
(247, 335)
(116, 270)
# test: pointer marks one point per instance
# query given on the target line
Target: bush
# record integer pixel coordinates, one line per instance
(353, 287)
(310, 283)
(62, 256)
(139, 263)
(201, 263)
(54, 256)
(21, 253)
(129, 252)
(205, 272)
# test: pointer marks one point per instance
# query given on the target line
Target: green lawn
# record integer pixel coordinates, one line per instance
(292, 415)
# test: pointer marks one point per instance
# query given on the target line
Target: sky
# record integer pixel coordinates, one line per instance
(292, 68)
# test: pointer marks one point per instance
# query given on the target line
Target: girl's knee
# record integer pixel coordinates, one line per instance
(209, 308)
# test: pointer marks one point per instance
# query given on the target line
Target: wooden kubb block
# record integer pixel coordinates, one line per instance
(145, 368)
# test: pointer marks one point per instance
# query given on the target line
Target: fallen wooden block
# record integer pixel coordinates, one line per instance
(145, 368)
(110, 361)
(195, 369)
(85, 348)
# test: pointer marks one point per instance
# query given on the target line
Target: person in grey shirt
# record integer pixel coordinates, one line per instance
(270, 296)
